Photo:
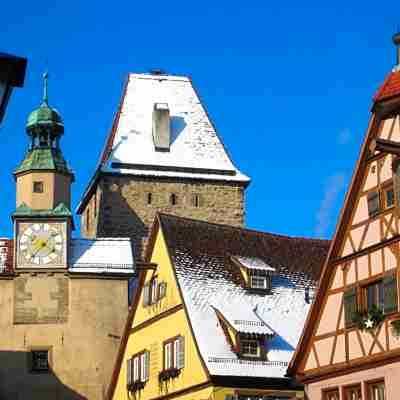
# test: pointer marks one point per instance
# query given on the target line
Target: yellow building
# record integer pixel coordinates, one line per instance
(217, 314)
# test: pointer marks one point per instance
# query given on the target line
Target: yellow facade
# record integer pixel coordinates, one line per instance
(156, 323)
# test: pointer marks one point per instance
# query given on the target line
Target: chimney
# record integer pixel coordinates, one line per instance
(396, 41)
(161, 127)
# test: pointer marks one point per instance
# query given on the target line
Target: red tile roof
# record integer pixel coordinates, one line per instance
(6, 255)
(389, 88)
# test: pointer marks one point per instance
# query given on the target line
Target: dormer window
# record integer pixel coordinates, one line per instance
(260, 281)
(250, 348)
(256, 273)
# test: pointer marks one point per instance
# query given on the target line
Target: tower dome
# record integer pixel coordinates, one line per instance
(45, 120)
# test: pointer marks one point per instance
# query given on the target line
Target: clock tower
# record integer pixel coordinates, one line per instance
(43, 220)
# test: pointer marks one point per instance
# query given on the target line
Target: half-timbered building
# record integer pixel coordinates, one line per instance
(350, 348)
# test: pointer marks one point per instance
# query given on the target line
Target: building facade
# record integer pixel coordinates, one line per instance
(350, 347)
(217, 314)
(64, 301)
(163, 154)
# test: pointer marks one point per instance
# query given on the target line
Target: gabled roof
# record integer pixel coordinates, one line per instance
(196, 151)
(201, 254)
(101, 255)
(388, 90)
(390, 87)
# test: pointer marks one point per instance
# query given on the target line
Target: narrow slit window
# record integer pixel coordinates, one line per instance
(149, 198)
(196, 200)
(174, 199)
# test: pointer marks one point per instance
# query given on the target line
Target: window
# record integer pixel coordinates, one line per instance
(250, 348)
(376, 391)
(374, 294)
(373, 204)
(260, 280)
(388, 197)
(149, 198)
(87, 219)
(196, 200)
(153, 291)
(174, 353)
(40, 361)
(381, 294)
(352, 392)
(38, 187)
(95, 205)
(332, 394)
(138, 370)
(173, 199)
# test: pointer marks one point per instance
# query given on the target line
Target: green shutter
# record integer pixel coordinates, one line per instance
(350, 306)
(373, 203)
(146, 295)
(390, 288)
(180, 356)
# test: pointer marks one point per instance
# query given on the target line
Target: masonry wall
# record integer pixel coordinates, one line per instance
(126, 206)
(78, 320)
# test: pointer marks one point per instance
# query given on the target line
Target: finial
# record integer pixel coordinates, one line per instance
(396, 41)
(45, 87)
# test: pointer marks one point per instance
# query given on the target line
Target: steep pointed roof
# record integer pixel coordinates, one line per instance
(196, 150)
(390, 87)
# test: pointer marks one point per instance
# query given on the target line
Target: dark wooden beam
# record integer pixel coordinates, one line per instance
(385, 146)
(145, 266)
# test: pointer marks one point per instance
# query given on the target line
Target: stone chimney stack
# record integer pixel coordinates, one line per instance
(161, 127)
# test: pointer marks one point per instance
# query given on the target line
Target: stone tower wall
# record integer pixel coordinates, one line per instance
(121, 206)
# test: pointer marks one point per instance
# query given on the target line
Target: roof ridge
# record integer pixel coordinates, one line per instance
(238, 228)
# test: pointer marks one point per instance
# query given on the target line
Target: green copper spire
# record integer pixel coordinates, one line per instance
(45, 127)
(45, 88)
(45, 122)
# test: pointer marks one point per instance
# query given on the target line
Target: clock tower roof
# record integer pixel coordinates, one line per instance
(45, 118)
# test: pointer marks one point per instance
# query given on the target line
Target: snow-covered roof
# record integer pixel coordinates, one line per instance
(196, 151)
(102, 255)
(201, 253)
(254, 263)
(243, 318)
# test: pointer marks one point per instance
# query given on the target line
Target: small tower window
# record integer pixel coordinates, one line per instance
(38, 187)
(149, 198)
(40, 361)
(196, 200)
(174, 199)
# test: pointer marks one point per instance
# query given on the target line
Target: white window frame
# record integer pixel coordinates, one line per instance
(246, 342)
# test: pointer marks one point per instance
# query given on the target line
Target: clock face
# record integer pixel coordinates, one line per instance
(41, 244)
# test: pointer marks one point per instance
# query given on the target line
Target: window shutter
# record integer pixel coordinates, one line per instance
(144, 364)
(153, 289)
(390, 289)
(162, 290)
(350, 306)
(146, 295)
(180, 356)
(373, 203)
(136, 372)
(129, 371)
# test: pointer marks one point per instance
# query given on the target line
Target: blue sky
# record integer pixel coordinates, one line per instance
(288, 85)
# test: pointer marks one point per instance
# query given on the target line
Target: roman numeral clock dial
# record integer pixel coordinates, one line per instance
(41, 244)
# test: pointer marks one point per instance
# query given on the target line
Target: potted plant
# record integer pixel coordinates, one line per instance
(370, 319)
